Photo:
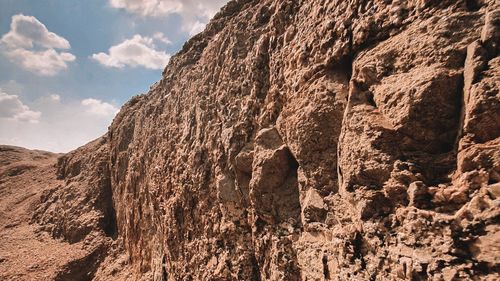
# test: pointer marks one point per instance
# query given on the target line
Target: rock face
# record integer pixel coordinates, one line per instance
(303, 140)
(31, 192)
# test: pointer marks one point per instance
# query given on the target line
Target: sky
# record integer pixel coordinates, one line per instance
(67, 66)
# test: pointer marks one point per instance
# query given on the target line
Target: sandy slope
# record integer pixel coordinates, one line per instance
(25, 253)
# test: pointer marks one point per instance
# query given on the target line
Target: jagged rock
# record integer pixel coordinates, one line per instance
(494, 190)
(314, 208)
(490, 34)
(418, 194)
(83, 203)
(302, 140)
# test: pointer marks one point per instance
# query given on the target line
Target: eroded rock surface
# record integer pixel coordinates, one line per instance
(27, 250)
(303, 140)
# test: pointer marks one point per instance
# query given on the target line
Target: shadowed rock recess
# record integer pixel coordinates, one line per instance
(300, 140)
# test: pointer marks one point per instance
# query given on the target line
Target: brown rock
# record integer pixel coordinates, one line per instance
(313, 140)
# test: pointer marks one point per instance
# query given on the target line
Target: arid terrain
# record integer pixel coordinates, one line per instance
(291, 140)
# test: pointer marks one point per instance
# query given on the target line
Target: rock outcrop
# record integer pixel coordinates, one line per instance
(302, 140)
(30, 192)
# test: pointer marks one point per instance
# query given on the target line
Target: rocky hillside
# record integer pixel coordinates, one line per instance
(299, 140)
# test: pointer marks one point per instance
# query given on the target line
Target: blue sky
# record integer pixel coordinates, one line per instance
(66, 66)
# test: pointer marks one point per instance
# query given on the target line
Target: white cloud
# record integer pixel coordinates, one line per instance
(12, 108)
(26, 30)
(137, 51)
(194, 13)
(32, 46)
(148, 7)
(53, 123)
(196, 28)
(162, 38)
(46, 63)
(11, 87)
(98, 107)
(55, 97)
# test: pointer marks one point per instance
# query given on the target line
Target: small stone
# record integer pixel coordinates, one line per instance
(494, 190)
(244, 160)
(314, 209)
(417, 194)
(449, 274)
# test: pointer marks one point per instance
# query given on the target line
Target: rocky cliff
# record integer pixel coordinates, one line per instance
(300, 140)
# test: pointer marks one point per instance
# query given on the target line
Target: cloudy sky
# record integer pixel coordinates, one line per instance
(66, 66)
